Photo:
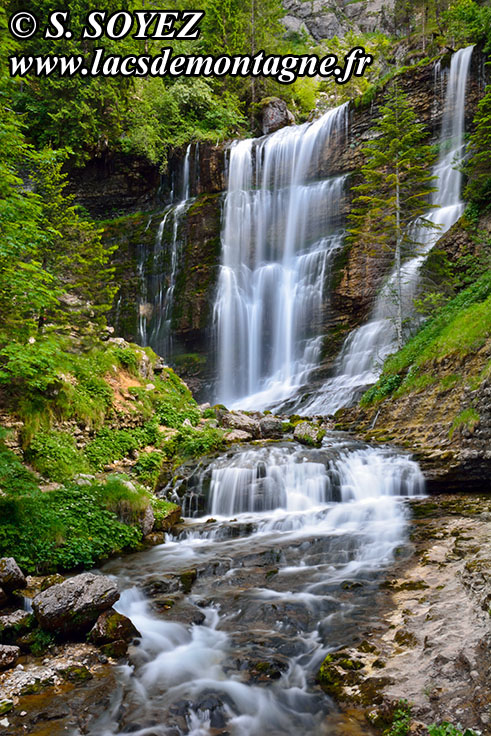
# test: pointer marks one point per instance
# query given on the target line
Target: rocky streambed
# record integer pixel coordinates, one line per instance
(314, 611)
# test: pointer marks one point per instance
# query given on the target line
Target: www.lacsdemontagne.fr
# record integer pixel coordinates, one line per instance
(284, 69)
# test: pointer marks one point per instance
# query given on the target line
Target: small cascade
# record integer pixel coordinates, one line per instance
(156, 292)
(362, 356)
(282, 226)
(284, 478)
(288, 576)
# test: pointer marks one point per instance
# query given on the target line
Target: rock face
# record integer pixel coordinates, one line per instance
(112, 626)
(8, 656)
(274, 115)
(73, 606)
(11, 576)
(328, 18)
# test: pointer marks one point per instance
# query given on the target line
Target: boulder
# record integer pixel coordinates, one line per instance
(274, 115)
(72, 607)
(271, 427)
(238, 420)
(11, 576)
(309, 433)
(8, 656)
(15, 624)
(237, 435)
(112, 626)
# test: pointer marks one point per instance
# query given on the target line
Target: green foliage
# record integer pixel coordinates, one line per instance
(15, 478)
(190, 442)
(55, 456)
(467, 418)
(461, 326)
(478, 167)
(401, 720)
(148, 467)
(467, 21)
(396, 185)
(446, 729)
(114, 444)
(66, 528)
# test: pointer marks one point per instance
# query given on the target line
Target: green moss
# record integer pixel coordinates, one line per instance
(467, 418)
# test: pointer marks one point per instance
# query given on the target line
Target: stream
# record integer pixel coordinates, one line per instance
(237, 613)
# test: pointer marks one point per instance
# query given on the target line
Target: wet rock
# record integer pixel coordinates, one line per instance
(115, 649)
(73, 606)
(11, 576)
(112, 626)
(308, 433)
(239, 420)
(8, 656)
(76, 674)
(271, 427)
(168, 521)
(154, 539)
(274, 115)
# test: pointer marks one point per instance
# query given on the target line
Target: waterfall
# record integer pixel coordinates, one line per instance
(361, 358)
(289, 479)
(285, 581)
(282, 226)
(157, 293)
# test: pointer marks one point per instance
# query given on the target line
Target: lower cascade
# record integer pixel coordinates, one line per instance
(284, 571)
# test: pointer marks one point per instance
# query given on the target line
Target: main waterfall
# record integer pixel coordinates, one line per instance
(282, 226)
(283, 223)
(361, 358)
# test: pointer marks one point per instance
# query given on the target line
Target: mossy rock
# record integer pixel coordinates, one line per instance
(187, 579)
(77, 674)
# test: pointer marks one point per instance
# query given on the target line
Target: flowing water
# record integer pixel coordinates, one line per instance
(361, 358)
(280, 555)
(287, 562)
(282, 226)
(156, 292)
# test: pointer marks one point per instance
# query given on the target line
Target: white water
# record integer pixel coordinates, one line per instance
(327, 517)
(156, 292)
(360, 361)
(281, 229)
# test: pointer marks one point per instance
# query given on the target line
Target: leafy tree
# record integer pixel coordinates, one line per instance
(478, 167)
(467, 21)
(73, 253)
(395, 188)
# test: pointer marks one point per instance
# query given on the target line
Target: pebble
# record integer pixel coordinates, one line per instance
(5, 722)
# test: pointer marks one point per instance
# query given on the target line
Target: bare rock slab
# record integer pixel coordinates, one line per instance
(72, 607)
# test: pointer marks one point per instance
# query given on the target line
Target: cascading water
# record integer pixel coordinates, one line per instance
(157, 293)
(365, 349)
(286, 571)
(281, 228)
